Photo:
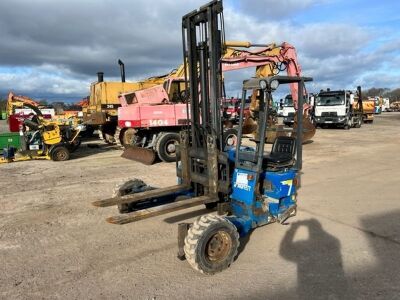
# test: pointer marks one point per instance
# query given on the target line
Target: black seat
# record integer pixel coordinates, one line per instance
(282, 153)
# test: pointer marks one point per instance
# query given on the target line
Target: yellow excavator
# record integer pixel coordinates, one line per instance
(38, 138)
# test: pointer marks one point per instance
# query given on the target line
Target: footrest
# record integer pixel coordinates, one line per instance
(157, 210)
(143, 196)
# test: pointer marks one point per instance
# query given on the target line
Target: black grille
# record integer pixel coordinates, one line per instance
(329, 114)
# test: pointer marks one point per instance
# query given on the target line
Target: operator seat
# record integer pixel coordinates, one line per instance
(282, 153)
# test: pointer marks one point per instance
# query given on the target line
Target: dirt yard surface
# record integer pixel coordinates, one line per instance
(343, 244)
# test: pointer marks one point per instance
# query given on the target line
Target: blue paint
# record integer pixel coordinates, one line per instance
(277, 195)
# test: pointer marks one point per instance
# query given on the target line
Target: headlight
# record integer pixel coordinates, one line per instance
(263, 84)
(274, 84)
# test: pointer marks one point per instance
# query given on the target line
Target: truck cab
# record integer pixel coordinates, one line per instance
(336, 108)
(288, 110)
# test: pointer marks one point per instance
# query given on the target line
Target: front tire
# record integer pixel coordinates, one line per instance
(211, 244)
(60, 153)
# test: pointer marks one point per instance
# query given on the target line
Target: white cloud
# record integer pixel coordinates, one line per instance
(62, 44)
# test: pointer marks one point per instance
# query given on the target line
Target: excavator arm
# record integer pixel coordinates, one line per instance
(269, 60)
(14, 101)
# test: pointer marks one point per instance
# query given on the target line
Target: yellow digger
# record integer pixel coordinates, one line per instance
(38, 138)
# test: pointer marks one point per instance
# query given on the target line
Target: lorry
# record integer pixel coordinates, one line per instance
(288, 110)
(368, 110)
(338, 108)
(378, 105)
(385, 104)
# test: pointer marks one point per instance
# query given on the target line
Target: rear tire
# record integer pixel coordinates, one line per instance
(166, 146)
(211, 244)
(60, 153)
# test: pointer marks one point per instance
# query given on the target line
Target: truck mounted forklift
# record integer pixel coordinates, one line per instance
(249, 187)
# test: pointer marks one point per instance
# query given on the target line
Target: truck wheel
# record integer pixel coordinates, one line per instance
(128, 136)
(166, 146)
(108, 131)
(129, 187)
(211, 244)
(60, 153)
(108, 138)
(230, 137)
(358, 124)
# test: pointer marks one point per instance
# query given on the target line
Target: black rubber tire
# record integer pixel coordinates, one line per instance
(230, 137)
(108, 132)
(128, 136)
(358, 124)
(211, 206)
(129, 187)
(60, 153)
(108, 138)
(164, 144)
(199, 244)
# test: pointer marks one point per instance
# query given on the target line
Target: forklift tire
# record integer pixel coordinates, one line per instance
(166, 146)
(211, 244)
(60, 153)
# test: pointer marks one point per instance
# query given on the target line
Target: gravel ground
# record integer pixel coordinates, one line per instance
(343, 244)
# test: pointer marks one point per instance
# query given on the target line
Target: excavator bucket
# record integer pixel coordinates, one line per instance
(308, 128)
(143, 155)
(275, 130)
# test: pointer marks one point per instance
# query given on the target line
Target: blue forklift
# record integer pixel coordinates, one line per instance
(249, 186)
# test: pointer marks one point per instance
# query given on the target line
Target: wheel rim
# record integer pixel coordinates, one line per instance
(231, 140)
(170, 148)
(61, 155)
(218, 247)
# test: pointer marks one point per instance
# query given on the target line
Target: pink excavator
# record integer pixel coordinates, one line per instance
(149, 120)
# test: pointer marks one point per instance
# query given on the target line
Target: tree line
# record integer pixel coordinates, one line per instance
(393, 95)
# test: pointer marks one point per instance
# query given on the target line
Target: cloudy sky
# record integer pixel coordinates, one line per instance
(53, 48)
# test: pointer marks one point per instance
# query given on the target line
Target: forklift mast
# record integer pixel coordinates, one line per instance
(202, 33)
(204, 165)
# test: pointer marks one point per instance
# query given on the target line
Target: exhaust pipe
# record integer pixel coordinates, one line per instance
(100, 76)
(122, 67)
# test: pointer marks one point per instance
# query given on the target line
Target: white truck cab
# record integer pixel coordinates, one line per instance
(288, 110)
(336, 108)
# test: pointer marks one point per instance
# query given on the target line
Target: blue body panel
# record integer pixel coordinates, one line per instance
(277, 196)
